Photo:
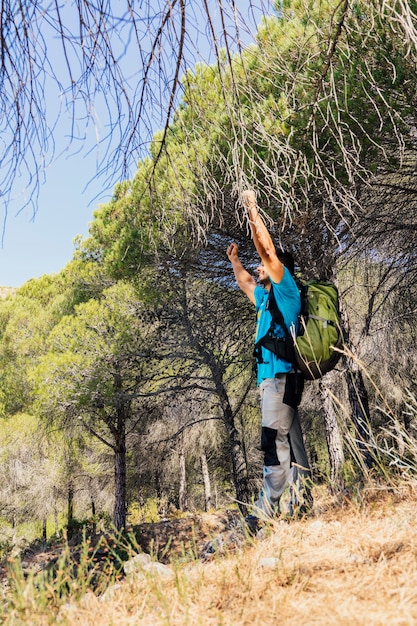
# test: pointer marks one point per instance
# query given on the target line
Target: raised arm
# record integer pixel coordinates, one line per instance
(262, 239)
(246, 282)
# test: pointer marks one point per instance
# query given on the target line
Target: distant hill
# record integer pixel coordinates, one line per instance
(7, 291)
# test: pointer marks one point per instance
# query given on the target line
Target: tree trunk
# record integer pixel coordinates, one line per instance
(93, 508)
(358, 399)
(120, 484)
(56, 524)
(122, 414)
(182, 495)
(70, 514)
(240, 472)
(333, 439)
(206, 481)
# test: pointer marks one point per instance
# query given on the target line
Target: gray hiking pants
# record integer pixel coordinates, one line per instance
(285, 458)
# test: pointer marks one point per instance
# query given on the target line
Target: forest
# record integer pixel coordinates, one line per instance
(127, 390)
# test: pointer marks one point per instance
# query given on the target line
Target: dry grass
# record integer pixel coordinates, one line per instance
(348, 565)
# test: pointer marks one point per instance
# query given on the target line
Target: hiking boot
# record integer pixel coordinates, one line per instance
(253, 524)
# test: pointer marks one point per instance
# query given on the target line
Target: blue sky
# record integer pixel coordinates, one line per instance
(39, 244)
(43, 244)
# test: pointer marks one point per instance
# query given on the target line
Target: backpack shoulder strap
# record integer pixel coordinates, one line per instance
(283, 347)
(276, 314)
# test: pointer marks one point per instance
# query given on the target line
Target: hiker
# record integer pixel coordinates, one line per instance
(280, 387)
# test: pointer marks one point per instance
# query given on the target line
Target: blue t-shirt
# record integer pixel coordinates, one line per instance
(287, 297)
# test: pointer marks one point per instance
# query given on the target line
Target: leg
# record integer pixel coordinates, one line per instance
(277, 418)
(300, 477)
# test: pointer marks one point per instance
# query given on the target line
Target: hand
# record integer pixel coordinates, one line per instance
(248, 199)
(233, 252)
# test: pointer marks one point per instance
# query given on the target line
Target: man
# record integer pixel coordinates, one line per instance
(285, 458)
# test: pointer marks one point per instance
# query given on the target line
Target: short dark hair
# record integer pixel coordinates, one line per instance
(287, 259)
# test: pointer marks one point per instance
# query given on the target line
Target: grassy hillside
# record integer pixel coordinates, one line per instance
(351, 563)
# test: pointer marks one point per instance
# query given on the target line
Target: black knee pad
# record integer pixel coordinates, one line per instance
(268, 445)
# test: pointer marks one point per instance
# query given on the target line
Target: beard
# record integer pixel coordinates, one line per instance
(265, 281)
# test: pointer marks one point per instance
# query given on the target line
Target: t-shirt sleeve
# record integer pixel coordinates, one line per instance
(287, 296)
(259, 294)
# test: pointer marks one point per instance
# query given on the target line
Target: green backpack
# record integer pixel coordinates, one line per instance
(320, 330)
(312, 351)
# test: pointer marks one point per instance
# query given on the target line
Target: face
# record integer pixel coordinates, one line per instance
(262, 275)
